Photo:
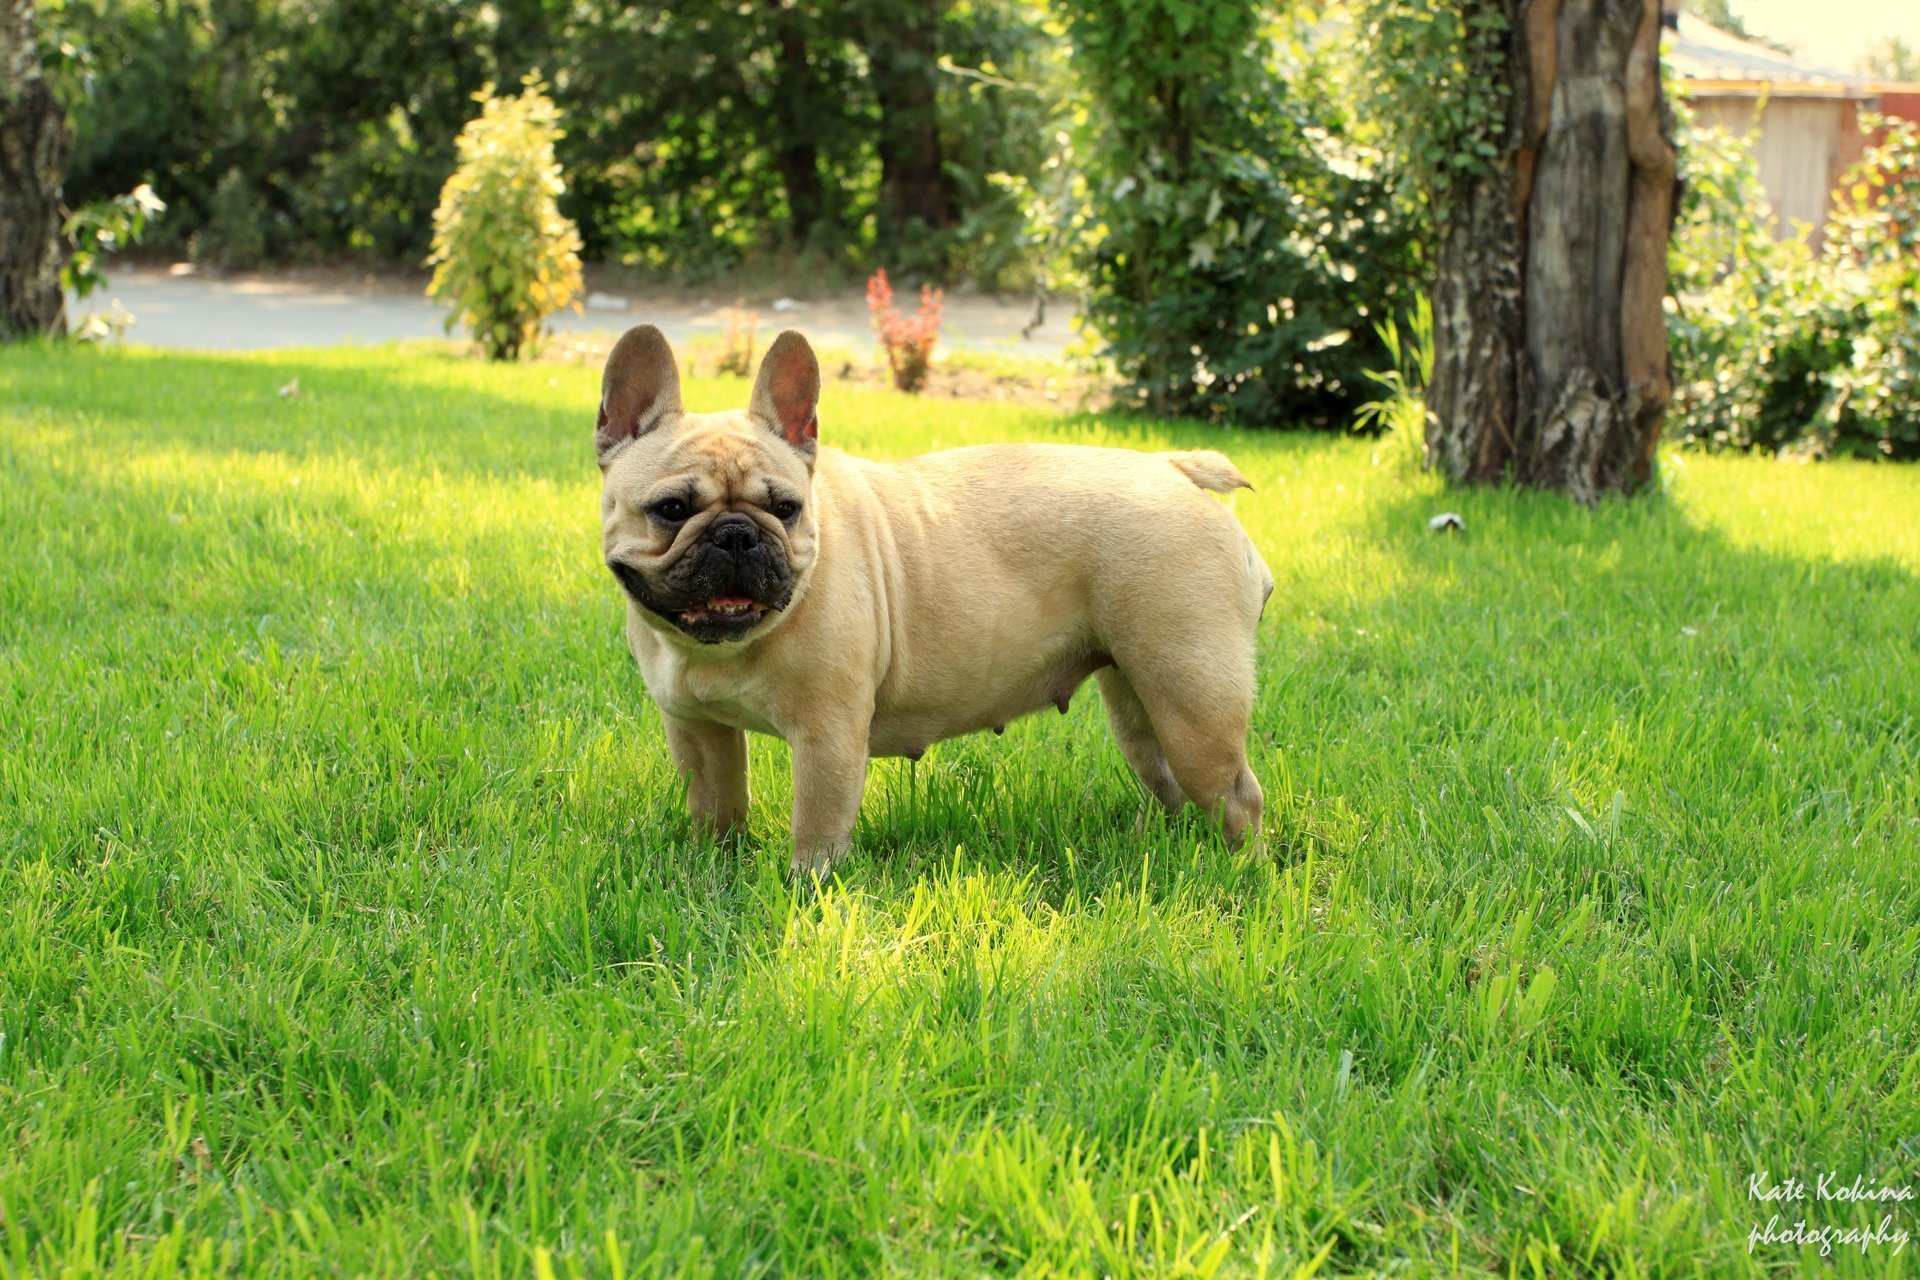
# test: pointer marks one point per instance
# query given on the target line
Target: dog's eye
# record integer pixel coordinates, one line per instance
(786, 509)
(671, 510)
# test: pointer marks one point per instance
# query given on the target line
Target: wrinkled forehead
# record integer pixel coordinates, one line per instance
(727, 450)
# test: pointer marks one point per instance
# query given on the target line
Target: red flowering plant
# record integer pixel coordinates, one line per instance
(908, 340)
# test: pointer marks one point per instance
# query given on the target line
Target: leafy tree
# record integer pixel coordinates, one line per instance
(901, 39)
(1719, 13)
(333, 120)
(703, 134)
(1005, 98)
(700, 136)
(1237, 246)
(1546, 146)
(1892, 58)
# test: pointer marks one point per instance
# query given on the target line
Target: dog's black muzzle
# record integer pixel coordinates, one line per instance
(733, 561)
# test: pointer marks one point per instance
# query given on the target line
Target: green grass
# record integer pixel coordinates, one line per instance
(349, 922)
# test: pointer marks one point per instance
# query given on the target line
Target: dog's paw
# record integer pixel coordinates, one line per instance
(816, 863)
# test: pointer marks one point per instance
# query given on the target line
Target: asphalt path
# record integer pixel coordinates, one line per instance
(250, 313)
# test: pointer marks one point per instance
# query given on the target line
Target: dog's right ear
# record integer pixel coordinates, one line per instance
(639, 391)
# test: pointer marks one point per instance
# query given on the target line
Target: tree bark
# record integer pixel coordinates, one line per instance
(33, 160)
(795, 153)
(1550, 348)
(902, 39)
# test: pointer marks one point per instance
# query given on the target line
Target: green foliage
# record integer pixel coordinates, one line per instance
(1737, 295)
(1238, 242)
(1400, 415)
(695, 133)
(701, 139)
(1873, 253)
(94, 231)
(354, 926)
(1005, 97)
(1433, 90)
(1777, 347)
(234, 237)
(1892, 58)
(298, 97)
(1719, 13)
(504, 258)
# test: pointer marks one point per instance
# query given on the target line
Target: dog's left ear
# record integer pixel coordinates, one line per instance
(786, 395)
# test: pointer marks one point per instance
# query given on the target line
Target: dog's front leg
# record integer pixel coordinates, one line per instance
(713, 760)
(829, 774)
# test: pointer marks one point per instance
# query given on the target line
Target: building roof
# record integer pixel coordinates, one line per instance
(1709, 58)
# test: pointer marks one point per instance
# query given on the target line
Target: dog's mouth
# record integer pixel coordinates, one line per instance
(727, 615)
(739, 611)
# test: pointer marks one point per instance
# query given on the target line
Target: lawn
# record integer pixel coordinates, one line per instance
(349, 922)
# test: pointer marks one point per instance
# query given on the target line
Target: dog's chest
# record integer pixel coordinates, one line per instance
(701, 691)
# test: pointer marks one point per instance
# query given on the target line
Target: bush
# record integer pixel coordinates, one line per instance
(1756, 328)
(1875, 244)
(907, 340)
(503, 256)
(1775, 347)
(1241, 245)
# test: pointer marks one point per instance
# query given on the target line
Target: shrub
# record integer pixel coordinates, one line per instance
(1875, 245)
(907, 340)
(1738, 295)
(1776, 347)
(503, 256)
(1240, 244)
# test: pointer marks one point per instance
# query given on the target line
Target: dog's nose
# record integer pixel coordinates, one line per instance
(734, 534)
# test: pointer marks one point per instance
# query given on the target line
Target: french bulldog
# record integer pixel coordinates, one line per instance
(859, 608)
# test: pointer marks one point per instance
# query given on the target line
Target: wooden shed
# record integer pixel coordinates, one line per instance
(1807, 117)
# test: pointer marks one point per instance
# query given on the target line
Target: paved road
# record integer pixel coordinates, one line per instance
(251, 313)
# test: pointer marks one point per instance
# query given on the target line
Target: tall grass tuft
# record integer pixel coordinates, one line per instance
(1400, 415)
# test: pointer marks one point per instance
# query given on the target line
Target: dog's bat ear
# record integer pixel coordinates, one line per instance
(639, 391)
(786, 395)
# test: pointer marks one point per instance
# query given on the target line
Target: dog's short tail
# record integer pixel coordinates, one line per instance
(1209, 470)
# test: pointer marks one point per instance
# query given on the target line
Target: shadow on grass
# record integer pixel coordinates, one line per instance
(433, 413)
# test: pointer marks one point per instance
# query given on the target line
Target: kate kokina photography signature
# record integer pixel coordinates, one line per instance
(1830, 1187)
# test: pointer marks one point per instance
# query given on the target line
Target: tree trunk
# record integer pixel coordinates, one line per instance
(33, 160)
(1550, 340)
(796, 155)
(902, 38)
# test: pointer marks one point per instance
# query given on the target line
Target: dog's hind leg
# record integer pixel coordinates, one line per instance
(1133, 730)
(1200, 710)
